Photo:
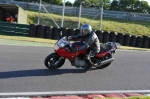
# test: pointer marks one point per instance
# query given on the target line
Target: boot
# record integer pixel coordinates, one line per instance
(87, 67)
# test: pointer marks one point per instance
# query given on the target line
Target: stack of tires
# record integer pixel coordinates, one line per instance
(105, 37)
(145, 42)
(120, 38)
(32, 30)
(55, 33)
(48, 32)
(126, 40)
(64, 32)
(132, 41)
(99, 35)
(40, 31)
(149, 43)
(112, 37)
(77, 31)
(139, 41)
(71, 32)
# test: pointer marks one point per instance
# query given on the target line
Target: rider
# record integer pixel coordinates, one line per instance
(88, 40)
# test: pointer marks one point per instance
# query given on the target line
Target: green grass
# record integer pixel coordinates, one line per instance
(137, 28)
(30, 39)
(140, 97)
(146, 97)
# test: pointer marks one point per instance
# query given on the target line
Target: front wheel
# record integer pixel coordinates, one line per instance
(50, 61)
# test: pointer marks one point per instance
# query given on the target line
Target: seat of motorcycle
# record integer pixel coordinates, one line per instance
(105, 47)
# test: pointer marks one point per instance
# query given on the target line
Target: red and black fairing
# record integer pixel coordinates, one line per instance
(63, 52)
(102, 54)
(105, 50)
(70, 55)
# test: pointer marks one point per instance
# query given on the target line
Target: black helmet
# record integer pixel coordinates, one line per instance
(86, 29)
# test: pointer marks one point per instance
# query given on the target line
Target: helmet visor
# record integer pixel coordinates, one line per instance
(84, 32)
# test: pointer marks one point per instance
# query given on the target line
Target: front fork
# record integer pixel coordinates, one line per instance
(57, 62)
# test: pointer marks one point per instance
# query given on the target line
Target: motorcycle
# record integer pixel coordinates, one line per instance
(62, 52)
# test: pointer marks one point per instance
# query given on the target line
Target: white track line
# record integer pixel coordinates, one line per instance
(72, 92)
(17, 98)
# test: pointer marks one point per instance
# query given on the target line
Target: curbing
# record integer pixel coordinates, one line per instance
(75, 94)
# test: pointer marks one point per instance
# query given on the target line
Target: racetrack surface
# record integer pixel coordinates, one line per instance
(22, 70)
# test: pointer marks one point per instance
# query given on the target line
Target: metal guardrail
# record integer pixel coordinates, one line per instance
(85, 11)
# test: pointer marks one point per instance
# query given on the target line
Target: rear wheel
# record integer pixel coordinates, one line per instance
(103, 66)
(50, 61)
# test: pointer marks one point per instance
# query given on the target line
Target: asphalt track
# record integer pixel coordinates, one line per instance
(22, 70)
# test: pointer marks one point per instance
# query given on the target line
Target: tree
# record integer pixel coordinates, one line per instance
(57, 2)
(143, 7)
(114, 5)
(130, 6)
(106, 4)
(68, 3)
(93, 3)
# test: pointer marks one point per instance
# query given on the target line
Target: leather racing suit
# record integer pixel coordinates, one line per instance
(90, 41)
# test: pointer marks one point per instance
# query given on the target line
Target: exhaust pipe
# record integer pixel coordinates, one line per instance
(105, 62)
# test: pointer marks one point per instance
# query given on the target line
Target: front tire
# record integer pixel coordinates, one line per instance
(51, 59)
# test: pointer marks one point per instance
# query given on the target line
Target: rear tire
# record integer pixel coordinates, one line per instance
(51, 59)
(103, 66)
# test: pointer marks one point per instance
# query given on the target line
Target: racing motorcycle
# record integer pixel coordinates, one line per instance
(62, 52)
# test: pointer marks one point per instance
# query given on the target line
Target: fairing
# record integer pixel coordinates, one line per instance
(69, 55)
(60, 49)
(103, 54)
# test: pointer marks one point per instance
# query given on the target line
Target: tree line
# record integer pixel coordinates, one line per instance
(140, 6)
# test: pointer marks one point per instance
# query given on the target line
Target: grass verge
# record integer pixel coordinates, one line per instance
(140, 97)
(137, 28)
(50, 41)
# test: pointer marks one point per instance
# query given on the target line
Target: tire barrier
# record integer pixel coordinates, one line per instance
(71, 32)
(64, 31)
(139, 41)
(55, 33)
(105, 37)
(149, 43)
(126, 40)
(32, 30)
(132, 41)
(77, 31)
(112, 37)
(145, 42)
(120, 38)
(40, 31)
(48, 32)
(99, 35)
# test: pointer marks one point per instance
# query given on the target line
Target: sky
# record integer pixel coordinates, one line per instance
(111, 0)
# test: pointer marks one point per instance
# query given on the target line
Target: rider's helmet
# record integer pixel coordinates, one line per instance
(86, 29)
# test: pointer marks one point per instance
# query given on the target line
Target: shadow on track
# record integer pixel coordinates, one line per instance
(38, 72)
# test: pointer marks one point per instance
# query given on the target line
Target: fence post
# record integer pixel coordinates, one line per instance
(50, 7)
(128, 16)
(75, 11)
